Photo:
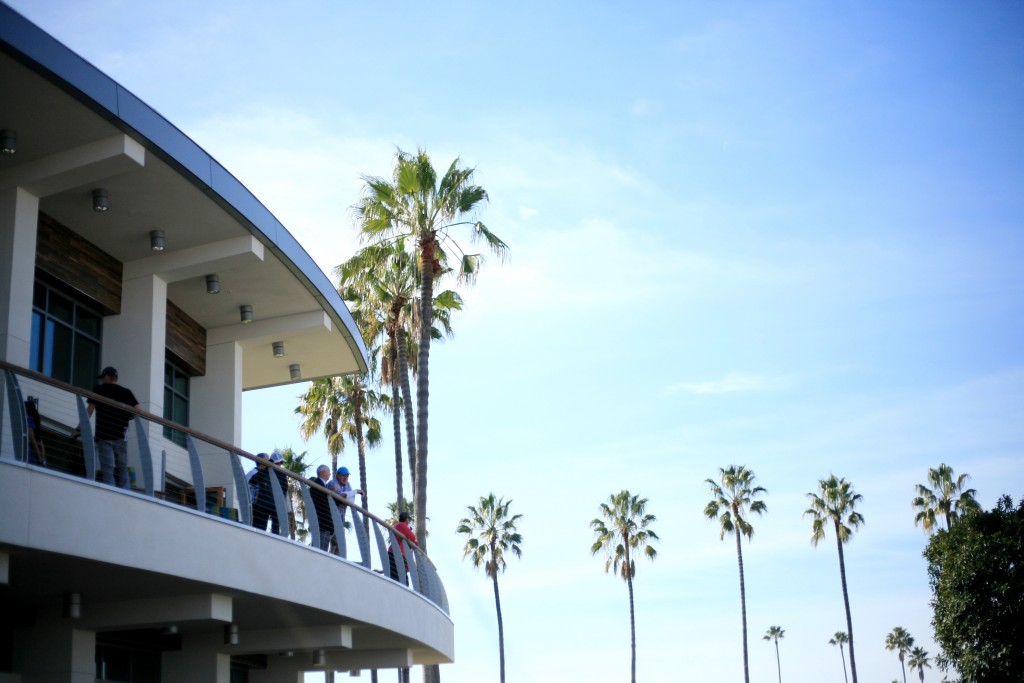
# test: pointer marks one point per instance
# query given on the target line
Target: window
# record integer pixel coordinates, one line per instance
(65, 338)
(175, 401)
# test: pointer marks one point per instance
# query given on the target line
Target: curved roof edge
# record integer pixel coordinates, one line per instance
(40, 51)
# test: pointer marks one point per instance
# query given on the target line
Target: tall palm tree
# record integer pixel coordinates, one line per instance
(730, 503)
(295, 463)
(839, 639)
(947, 497)
(919, 660)
(417, 205)
(900, 641)
(491, 534)
(342, 407)
(777, 633)
(622, 534)
(834, 502)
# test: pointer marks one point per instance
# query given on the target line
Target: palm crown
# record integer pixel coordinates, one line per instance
(947, 497)
(623, 532)
(492, 533)
(733, 499)
(834, 501)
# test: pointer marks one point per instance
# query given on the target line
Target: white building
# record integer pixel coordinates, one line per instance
(123, 243)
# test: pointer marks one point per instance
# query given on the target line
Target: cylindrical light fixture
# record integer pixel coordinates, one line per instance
(231, 634)
(212, 283)
(157, 241)
(319, 658)
(295, 371)
(100, 200)
(73, 605)
(8, 142)
(246, 312)
(278, 349)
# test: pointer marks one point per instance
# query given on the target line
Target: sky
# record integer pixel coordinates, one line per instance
(781, 235)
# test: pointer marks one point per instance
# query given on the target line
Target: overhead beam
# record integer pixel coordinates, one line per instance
(182, 264)
(263, 330)
(76, 167)
(158, 611)
(293, 639)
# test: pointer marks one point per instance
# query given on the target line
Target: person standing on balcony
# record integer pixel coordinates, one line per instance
(403, 529)
(344, 489)
(322, 505)
(111, 426)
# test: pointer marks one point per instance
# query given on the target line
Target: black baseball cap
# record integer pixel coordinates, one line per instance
(109, 370)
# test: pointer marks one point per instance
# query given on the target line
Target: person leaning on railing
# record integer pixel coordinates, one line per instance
(111, 427)
(36, 452)
(403, 529)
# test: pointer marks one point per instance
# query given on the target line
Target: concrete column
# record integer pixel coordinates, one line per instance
(198, 660)
(19, 222)
(134, 341)
(54, 651)
(216, 399)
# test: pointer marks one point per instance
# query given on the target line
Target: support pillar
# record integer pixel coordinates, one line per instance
(19, 222)
(197, 660)
(54, 651)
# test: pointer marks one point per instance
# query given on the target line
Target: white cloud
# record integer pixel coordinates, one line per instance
(733, 383)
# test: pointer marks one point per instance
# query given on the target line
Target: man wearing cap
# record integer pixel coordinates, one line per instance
(339, 484)
(111, 425)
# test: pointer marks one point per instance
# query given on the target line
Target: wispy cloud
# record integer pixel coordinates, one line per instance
(733, 383)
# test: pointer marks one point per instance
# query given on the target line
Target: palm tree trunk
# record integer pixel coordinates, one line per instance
(743, 604)
(778, 662)
(632, 631)
(843, 657)
(904, 667)
(427, 246)
(396, 422)
(846, 603)
(361, 447)
(501, 628)
(407, 406)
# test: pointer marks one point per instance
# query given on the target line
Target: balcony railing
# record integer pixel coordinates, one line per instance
(189, 463)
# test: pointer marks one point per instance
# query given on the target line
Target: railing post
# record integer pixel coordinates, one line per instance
(311, 518)
(280, 505)
(241, 490)
(361, 539)
(412, 562)
(88, 443)
(145, 456)
(19, 419)
(198, 482)
(338, 520)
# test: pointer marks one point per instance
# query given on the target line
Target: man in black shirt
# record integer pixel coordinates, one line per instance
(111, 425)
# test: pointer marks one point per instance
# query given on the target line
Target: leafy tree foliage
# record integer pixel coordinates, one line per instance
(976, 571)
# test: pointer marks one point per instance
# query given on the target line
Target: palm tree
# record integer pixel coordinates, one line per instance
(834, 502)
(623, 533)
(295, 463)
(492, 533)
(947, 497)
(919, 660)
(901, 641)
(838, 639)
(776, 633)
(729, 505)
(417, 206)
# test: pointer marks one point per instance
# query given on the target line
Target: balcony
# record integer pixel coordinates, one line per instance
(96, 579)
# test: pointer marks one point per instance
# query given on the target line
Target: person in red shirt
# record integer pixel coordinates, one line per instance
(403, 529)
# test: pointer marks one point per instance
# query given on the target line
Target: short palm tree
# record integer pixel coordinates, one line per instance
(730, 504)
(418, 206)
(839, 639)
(834, 502)
(919, 660)
(776, 633)
(947, 497)
(623, 533)
(492, 533)
(900, 641)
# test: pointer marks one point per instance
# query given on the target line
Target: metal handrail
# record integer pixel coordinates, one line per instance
(415, 566)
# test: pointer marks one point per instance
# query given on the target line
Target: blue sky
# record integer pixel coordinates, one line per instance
(787, 236)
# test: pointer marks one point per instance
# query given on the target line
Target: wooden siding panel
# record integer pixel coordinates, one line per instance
(186, 340)
(79, 264)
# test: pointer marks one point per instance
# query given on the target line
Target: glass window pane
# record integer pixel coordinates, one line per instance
(168, 375)
(39, 296)
(35, 361)
(180, 410)
(181, 383)
(60, 308)
(61, 357)
(87, 322)
(86, 362)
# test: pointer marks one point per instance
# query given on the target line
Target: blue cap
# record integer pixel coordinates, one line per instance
(342, 470)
